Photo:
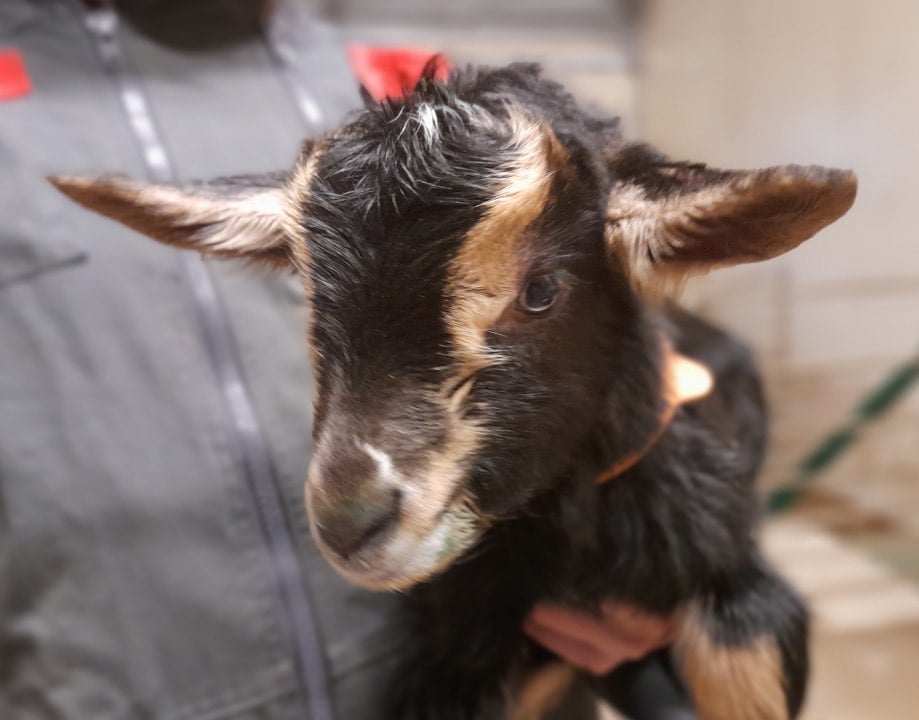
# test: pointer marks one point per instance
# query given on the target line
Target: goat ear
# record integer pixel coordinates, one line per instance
(230, 217)
(667, 220)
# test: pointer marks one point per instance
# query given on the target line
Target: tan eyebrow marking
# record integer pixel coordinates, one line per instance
(484, 276)
(297, 195)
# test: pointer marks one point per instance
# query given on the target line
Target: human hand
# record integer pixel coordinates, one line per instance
(598, 643)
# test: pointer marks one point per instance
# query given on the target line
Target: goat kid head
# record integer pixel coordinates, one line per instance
(477, 258)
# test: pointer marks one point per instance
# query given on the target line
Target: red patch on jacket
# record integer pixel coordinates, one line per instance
(392, 72)
(14, 78)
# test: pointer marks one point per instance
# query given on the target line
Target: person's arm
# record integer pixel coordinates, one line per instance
(598, 643)
(621, 638)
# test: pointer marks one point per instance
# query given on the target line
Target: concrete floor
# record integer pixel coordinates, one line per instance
(866, 632)
(853, 546)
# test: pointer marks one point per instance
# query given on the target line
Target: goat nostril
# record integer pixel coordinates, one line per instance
(347, 531)
(376, 529)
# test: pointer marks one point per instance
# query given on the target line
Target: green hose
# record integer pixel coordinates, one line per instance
(875, 404)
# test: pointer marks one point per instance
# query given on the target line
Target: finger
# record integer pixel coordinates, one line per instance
(586, 630)
(577, 624)
(636, 627)
(670, 635)
(579, 654)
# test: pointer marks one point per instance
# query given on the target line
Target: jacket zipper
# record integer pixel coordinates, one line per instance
(279, 37)
(223, 354)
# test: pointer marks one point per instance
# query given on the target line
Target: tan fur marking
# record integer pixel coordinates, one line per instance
(749, 216)
(446, 469)
(483, 280)
(429, 501)
(298, 190)
(444, 473)
(455, 402)
(245, 225)
(485, 259)
(730, 683)
(638, 228)
(633, 221)
(542, 692)
(484, 277)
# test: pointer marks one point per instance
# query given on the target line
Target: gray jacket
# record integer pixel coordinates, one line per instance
(154, 422)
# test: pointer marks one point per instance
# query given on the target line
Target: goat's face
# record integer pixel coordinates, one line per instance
(456, 269)
(471, 263)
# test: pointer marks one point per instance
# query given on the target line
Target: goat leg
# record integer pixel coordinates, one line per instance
(742, 648)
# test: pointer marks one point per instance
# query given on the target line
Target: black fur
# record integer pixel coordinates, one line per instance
(386, 214)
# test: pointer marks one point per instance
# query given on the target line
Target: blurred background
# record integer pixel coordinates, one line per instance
(742, 83)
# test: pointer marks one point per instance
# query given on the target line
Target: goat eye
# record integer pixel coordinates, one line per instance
(539, 294)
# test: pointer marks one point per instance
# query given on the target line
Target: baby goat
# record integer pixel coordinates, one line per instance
(482, 260)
